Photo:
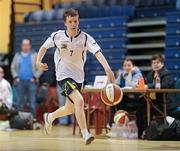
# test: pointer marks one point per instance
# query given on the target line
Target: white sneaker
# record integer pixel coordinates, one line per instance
(47, 125)
(89, 138)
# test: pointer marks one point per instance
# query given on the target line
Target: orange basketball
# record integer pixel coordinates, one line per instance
(121, 117)
(111, 94)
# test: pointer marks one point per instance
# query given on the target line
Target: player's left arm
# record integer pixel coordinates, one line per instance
(42, 51)
(100, 57)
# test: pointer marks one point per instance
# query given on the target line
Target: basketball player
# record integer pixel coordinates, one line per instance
(70, 57)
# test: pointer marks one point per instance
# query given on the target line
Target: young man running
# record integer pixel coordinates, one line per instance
(70, 56)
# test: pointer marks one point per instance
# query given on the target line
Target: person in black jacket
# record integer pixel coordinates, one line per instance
(166, 82)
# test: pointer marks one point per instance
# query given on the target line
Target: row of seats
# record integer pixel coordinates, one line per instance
(172, 49)
(101, 33)
(154, 12)
(137, 3)
(89, 23)
(109, 43)
(84, 12)
(104, 9)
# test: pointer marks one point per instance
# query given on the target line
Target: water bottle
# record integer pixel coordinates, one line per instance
(158, 82)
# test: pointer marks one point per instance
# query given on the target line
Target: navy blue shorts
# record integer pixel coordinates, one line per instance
(68, 85)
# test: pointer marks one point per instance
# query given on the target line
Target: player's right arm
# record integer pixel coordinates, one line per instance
(42, 51)
(40, 55)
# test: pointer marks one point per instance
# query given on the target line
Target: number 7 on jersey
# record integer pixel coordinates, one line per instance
(71, 52)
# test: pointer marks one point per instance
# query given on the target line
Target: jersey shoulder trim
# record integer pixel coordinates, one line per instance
(88, 35)
(85, 43)
(54, 34)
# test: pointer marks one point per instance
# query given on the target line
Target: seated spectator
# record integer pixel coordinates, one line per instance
(166, 81)
(5, 90)
(19, 120)
(129, 77)
(5, 98)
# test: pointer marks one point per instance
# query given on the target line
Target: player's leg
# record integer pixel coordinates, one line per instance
(62, 100)
(77, 98)
(67, 109)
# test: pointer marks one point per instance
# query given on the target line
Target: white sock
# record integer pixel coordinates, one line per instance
(50, 118)
(84, 132)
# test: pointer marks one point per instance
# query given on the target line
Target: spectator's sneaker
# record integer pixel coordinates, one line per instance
(47, 124)
(89, 138)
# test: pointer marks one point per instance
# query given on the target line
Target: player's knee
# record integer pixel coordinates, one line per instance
(71, 110)
(80, 103)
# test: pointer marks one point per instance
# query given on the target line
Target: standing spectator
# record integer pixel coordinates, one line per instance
(25, 75)
(166, 81)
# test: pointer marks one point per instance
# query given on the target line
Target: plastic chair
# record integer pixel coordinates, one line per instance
(93, 10)
(37, 16)
(57, 6)
(102, 11)
(49, 15)
(128, 11)
(67, 5)
(115, 10)
(27, 17)
(59, 14)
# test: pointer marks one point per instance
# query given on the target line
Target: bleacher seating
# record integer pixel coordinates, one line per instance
(110, 33)
(153, 11)
(172, 53)
(172, 50)
(85, 11)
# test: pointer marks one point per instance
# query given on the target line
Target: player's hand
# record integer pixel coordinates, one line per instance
(42, 66)
(110, 75)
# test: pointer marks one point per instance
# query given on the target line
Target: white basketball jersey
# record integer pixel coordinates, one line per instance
(70, 54)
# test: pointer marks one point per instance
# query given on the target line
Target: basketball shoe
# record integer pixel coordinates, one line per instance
(88, 139)
(47, 124)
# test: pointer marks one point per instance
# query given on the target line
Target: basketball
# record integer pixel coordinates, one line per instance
(121, 117)
(111, 94)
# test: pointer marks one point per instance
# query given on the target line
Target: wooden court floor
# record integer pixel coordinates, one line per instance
(61, 139)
